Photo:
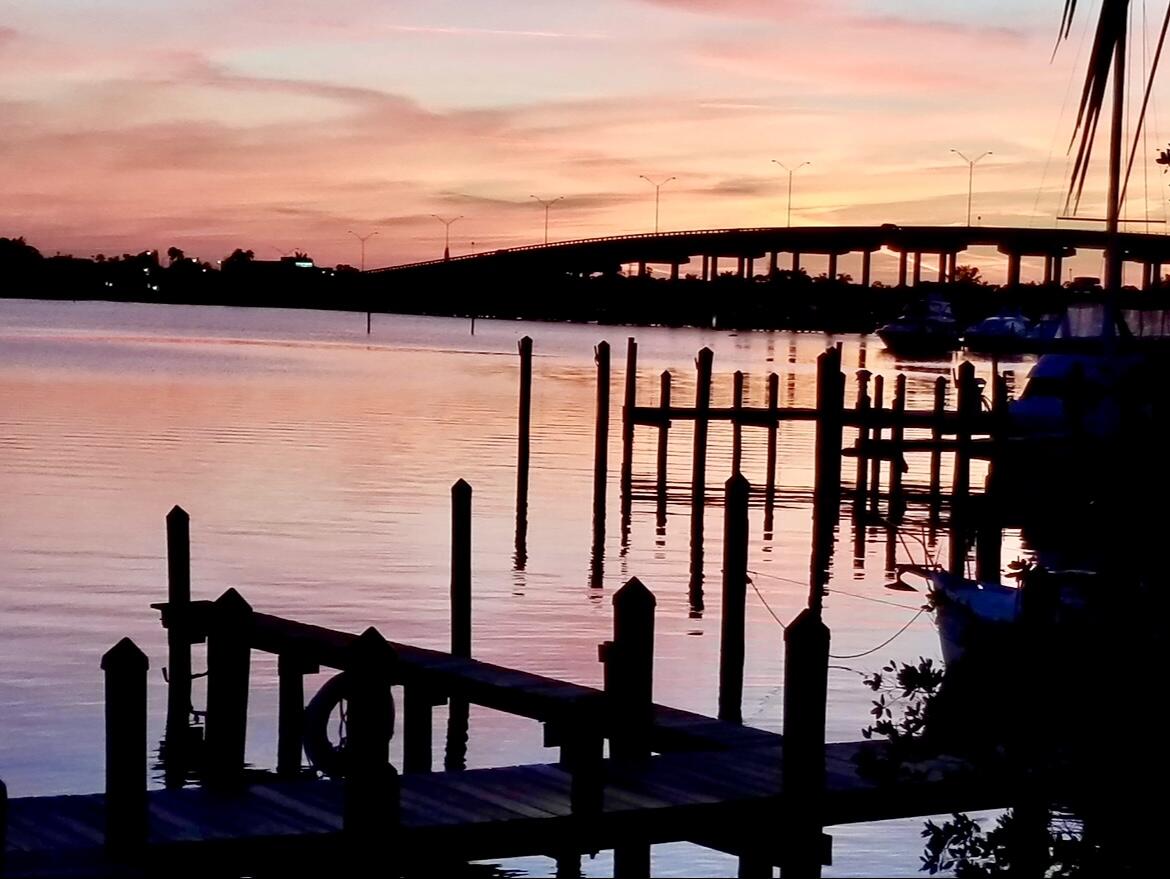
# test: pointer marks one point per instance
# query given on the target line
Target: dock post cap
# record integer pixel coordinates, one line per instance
(461, 486)
(371, 645)
(737, 482)
(125, 655)
(232, 602)
(634, 593)
(177, 513)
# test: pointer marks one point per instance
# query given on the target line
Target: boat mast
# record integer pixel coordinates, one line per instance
(1116, 129)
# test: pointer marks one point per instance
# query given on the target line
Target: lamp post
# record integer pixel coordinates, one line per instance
(790, 171)
(363, 239)
(657, 189)
(970, 177)
(447, 236)
(547, 204)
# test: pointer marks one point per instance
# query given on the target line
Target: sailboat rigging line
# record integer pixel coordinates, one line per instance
(1144, 131)
(1146, 97)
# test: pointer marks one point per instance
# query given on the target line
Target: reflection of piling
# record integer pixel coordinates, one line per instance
(522, 452)
(178, 730)
(773, 427)
(455, 757)
(663, 445)
(875, 463)
(897, 462)
(736, 423)
(735, 556)
(703, 365)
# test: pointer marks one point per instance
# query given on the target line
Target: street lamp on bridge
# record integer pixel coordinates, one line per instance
(970, 177)
(657, 189)
(790, 171)
(547, 204)
(447, 235)
(363, 239)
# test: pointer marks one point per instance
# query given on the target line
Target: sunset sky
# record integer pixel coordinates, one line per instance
(211, 124)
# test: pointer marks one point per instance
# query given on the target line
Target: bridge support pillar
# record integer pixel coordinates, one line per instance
(917, 268)
(1057, 268)
(641, 269)
(942, 268)
(1155, 275)
(832, 272)
(1013, 277)
(953, 262)
(751, 268)
(704, 276)
(714, 268)
(866, 261)
(902, 258)
(772, 260)
(796, 260)
(739, 267)
(674, 271)
(1047, 269)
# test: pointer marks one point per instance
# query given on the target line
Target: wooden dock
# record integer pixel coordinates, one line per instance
(629, 773)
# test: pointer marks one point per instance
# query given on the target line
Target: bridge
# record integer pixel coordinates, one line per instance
(930, 251)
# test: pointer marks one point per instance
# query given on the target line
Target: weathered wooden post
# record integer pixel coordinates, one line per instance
(663, 442)
(861, 481)
(968, 408)
(125, 668)
(897, 460)
(703, 364)
(291, 668)
(629, 689)
(417, 728)
(459, 714)
(600, 443)
(523, 449)
(936, 434)
(773, 428)
(736, 423)
(582, 739)
(875, 463)
(735, 559)
(371, 808)
(629, 404)
(228, 665)
(178, 728)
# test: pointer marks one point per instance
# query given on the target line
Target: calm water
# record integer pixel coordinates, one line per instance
(316, 463)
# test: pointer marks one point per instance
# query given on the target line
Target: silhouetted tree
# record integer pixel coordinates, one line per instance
(969, 275)
(175, 255)
(238, 259)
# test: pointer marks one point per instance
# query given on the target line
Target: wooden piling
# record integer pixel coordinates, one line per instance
(827, 490)
(735, 558)
(461, 569)
(861, 480)
(806, 663)
(228, 667)
(371, 805)
(523, 449)
(736, 425)
(601, 442)
(291, 719)
(875, 463)
(630, 402)
(773, 428)
(125, 667)
(897, 461)
(663, 442)
(178, 725)
(699, 473)
(936, 432)
(3, 825)
(968, 407)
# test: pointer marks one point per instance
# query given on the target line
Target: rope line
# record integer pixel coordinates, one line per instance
(913, 620)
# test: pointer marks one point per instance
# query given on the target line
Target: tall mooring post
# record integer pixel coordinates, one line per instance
(178, 729)
(968, 409)
(229, 657)
(736, 423)
(663, 444)
(773, 431)
(523, 446)
(735, 558)
(459, 713)
(629, 402)
(600, 443)
(703, 365)
(125, 667)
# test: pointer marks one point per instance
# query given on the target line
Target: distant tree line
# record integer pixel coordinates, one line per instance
(783, 299)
